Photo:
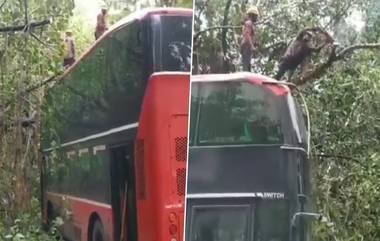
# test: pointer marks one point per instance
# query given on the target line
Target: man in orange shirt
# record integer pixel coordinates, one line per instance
(101, 23)
(249, 42)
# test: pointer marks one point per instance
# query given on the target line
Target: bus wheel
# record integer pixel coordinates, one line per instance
(98, 232)
(50, 215)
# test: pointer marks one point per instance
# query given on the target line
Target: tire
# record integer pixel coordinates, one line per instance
(97, 233)
(50, 215)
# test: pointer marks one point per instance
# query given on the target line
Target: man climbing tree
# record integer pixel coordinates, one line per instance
(249, 43)
(300, 50)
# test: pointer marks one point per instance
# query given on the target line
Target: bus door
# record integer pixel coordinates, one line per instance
(123, 195)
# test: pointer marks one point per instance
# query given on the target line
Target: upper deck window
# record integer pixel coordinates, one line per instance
(172, 42)
(237, 113)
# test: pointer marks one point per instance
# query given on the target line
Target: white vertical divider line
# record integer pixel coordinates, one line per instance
(188, 126)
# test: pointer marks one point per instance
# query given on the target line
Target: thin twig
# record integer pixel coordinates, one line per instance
(338, 157)
(38, 39)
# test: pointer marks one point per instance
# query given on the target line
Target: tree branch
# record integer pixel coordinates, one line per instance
(224, 34)
(2, 5)
(24, 27)
(198, 34)
(322, 68)
(38, 39)
(352, 48)
(41, 84)
(349, 158)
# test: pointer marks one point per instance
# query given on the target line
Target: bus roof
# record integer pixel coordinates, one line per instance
(150, 11)
(279, 88)
(130, 18)
(169, 73)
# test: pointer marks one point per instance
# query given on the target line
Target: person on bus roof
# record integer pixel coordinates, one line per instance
(249, 43)
(101, 23)
(69, 58)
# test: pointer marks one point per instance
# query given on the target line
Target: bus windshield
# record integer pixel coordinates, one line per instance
(269, 221)
(220, 223)
(272, 220)
(176, 43)
(237, 113)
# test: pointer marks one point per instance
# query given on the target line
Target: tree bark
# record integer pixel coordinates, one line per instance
(224, 35)
(334, 57)
(24, 27)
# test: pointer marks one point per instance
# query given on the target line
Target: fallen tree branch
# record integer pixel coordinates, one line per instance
(334, 57)
(352, 48)
(31, 25)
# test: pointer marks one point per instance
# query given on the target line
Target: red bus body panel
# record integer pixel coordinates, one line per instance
(79, 214)
(163, 117)
(160, 169)
(161, 179)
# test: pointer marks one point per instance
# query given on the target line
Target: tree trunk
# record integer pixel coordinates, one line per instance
(226, 63)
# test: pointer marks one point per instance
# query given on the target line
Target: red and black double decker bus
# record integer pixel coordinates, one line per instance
(248, 170)
(115, 133)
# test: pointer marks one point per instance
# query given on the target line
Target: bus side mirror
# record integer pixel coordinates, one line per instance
(315, 216)
(296, 217)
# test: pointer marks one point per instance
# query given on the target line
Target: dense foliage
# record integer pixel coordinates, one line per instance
(344, 102)
(28, 56)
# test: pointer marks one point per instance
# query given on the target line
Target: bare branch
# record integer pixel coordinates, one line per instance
(2, 5)
(26, 12)
(199, 33)
(41, 84)
(23, 27)
(322, 68)
(337, 157)
(352, 48)
(38, 39)
(224, 30)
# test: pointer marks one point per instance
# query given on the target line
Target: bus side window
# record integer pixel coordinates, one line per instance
(301, 123)
(125, 73)
(194, 107)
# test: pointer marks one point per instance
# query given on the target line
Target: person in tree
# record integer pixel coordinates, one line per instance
(249, 43)
(101, 23)
(69, 58)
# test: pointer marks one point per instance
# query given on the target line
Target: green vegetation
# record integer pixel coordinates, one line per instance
(29, 56)
(344, 100)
